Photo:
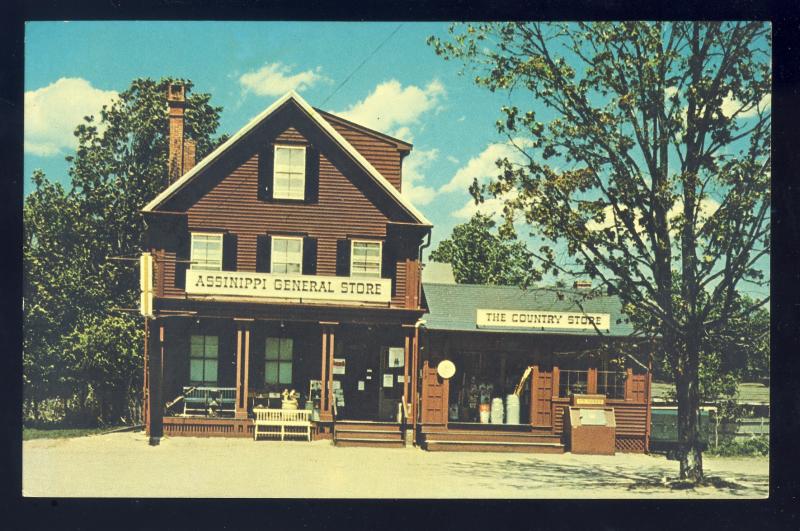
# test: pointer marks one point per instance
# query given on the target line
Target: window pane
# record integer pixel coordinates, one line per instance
(279, 268)
(272, 348)
(293, 246)
(196, 370)
(279, 245)
(285, 373)
(196, 350)
(271, 372)
(212, 346)
(211, 371)
(287, 345)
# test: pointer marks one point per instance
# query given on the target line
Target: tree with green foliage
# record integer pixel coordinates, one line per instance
(652, 169)
(480, 255)
(78, 345)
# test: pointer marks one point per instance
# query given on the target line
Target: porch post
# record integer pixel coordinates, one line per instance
(408, 346)
(591, 381)
(415, 378)
(155, 367)
(326, 376)
(145, 381)
(242, 366)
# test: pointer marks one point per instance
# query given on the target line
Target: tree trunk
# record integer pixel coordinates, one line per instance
(688, 394)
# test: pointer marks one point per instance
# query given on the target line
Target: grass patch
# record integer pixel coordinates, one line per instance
(29, 434)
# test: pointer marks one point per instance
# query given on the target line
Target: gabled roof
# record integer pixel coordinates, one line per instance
(315, 116)
(454, 307)
(401, 145)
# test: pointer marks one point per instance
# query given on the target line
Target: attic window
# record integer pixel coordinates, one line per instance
(290, 172)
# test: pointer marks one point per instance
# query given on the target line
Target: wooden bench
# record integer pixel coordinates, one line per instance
(282, 422)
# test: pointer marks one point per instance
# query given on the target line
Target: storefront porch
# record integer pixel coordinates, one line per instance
(214, 372)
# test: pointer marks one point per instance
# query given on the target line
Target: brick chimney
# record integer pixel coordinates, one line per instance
(181, 150)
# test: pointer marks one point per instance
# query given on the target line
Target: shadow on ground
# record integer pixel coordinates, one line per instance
(650, 480)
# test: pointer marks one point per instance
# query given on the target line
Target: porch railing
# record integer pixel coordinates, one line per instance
(209, 400)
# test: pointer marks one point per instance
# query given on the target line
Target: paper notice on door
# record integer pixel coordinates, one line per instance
(401, 378)
(396, 357)
(361, 385)
(388, 380)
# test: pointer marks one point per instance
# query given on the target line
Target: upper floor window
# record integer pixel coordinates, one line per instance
(365, 259)
(206, 251)
(287, 255)
(290, 172)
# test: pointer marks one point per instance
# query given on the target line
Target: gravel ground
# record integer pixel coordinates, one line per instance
(123, 464)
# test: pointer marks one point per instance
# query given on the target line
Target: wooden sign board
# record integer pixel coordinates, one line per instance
(541, 319)
(306, 287)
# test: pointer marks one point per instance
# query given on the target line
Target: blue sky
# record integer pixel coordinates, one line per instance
(404, 89)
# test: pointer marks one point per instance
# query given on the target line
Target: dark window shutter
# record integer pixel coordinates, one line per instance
(182, 255)
(312, 175)
(229, 251)
(388, 262)
(343, 258)
(266, 159)
(263, 250)
(309, 256)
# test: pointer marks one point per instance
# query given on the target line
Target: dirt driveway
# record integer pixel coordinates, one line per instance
(123, 464)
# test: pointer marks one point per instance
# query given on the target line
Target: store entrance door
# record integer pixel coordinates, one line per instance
(359, 384)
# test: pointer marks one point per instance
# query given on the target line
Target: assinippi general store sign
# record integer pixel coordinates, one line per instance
(306, 287)
(540, 319)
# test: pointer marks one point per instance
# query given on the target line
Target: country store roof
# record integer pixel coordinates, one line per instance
(455, 307)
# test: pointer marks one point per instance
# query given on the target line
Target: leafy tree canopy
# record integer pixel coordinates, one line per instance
(652, 174)
(480, 255)
(76, 346)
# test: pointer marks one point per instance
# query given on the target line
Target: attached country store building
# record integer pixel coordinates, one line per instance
(288, 260)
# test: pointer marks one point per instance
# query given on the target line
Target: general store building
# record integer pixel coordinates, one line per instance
(288, 259)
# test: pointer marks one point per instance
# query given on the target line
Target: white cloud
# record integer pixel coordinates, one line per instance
(730, 105)
(452, 159)
(413, 176)
(482, 167)
(276, 79)
(490, 206)
(392, 108)
(707, 208)
(53, 112)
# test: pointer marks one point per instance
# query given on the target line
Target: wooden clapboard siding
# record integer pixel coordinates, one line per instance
(380, 152)
(349, 204)
(631, 418)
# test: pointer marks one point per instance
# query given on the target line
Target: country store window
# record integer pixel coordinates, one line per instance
(206, 251)
(278, 360)
(203, 359)
(365, 259)
(290, 172)
(287, 255)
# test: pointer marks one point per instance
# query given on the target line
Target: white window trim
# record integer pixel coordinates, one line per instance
(272, 252)
(221, 237)
(275, 170)
(380, 256)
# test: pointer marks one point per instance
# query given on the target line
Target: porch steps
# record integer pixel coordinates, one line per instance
(480, 440)
(368, 433)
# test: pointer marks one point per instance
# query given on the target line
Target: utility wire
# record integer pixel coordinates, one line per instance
(351, 74)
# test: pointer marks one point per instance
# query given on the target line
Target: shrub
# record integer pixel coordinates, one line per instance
(755, 446)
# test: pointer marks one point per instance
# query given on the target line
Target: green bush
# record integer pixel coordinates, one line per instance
(755, 446)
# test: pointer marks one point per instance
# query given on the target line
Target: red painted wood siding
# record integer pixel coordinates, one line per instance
(343, 209)
(380, 153)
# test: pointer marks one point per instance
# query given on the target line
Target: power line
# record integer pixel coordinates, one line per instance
(351, 74)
